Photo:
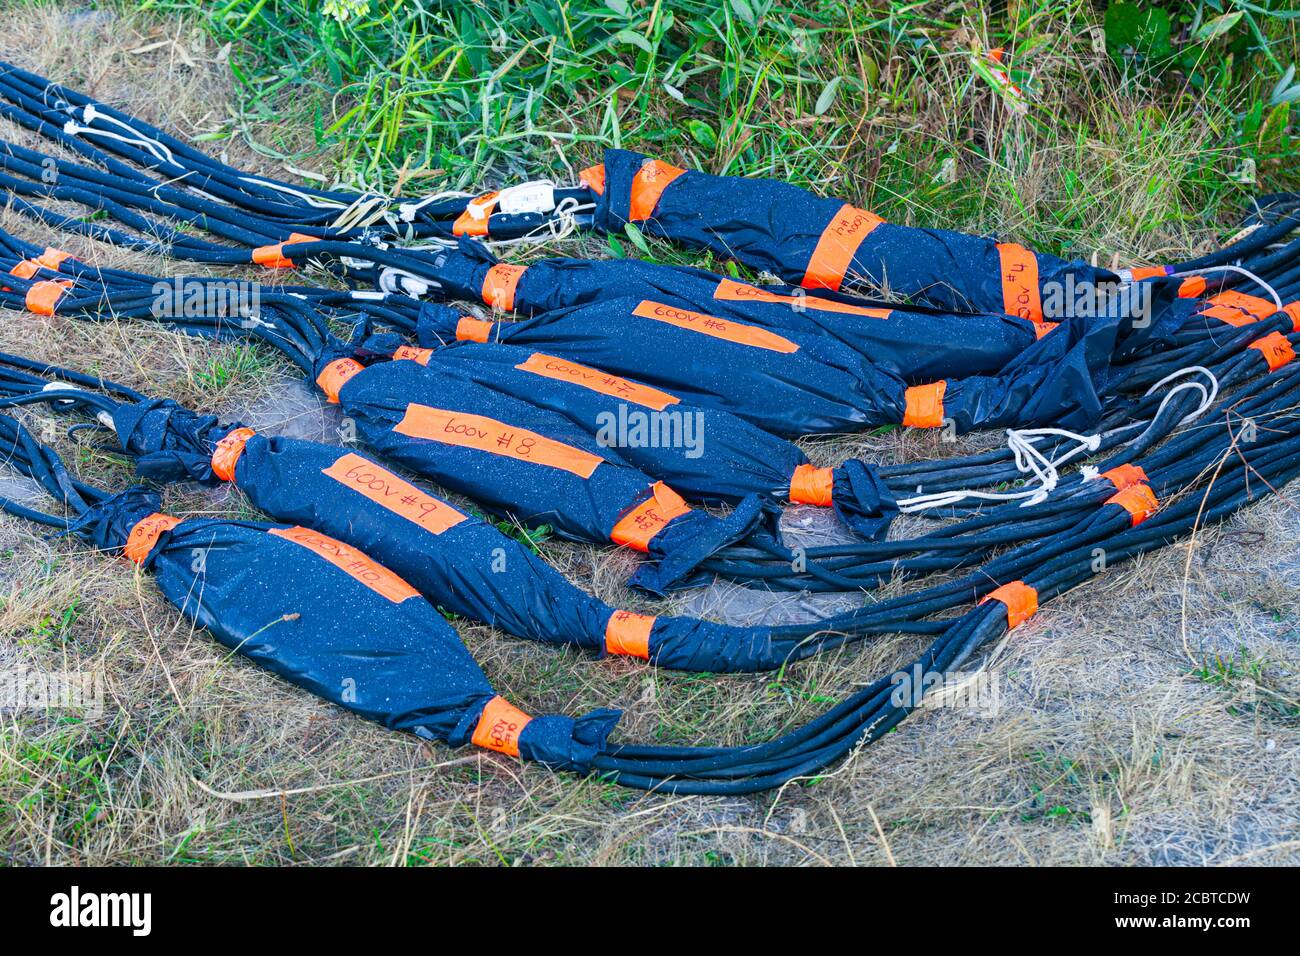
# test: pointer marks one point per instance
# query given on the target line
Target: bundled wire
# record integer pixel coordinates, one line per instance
(455, 560)
(1199, 476)
(318, 613)
(940, 486)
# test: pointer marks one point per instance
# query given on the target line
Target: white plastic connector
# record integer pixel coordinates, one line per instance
(537, 196)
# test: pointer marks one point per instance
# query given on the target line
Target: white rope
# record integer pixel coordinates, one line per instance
(1207, 396)
(1046, 471)
(1277, 299)
(90, 114)
(316, 201)
(405, 283)
(1028, 459)
(407, 210)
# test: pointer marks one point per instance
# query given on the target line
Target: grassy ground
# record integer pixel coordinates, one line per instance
(1152, 716)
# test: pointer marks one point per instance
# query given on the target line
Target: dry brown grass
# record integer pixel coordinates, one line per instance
(1109, 747)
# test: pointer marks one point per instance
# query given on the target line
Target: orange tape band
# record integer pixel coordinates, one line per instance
(1275, 348)
(1138, 500)
(226, 455)
(644, 521)
(728, 290)
(499, 286)
(718, 328)
(44, 296)
(411, 353)
(1020, 599)
(335, 375)
(470, 329)
(495, 438)
(1193, 287)
(1237, 309)
(500, 726)
(1293, 310)
(1147, 272)
(273, 257)
(1124, 476)
(25, 269)
(836, 247)
(51, 257)
(350, 561)
(392, 493)
(1042, 328)
(467, 224)
(145, 535)
(629, 634)
(562, 370)
(593, 177)
(648, 185)
(924, 407)
(1020, 292)
(812, 486)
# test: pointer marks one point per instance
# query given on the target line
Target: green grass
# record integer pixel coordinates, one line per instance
(1133, 155)
(892, 104)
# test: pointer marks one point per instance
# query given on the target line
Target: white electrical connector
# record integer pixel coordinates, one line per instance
(537, 196)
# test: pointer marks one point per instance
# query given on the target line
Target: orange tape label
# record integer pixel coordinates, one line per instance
(1020, 599)
(334, 376)
(839, 242)
(469, 224)
(593, 177)
(44, 296)
(228, 451)
(1020, 294)
(470, 329)
(350, 561)
(500, 726)
(495, 438)
(924, 408)
(1148, 272)
(648, 185)
(499, 286)
(725, 329)
(410, 353)
(562, 370)
(1124, 476)
(273, 257)
(643, 522)
(392, 493)
(1275, 348)
(1238, 309)
(1138, 500)
(729, 290)
(145, 535)
(629, 634)
(812, 486)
